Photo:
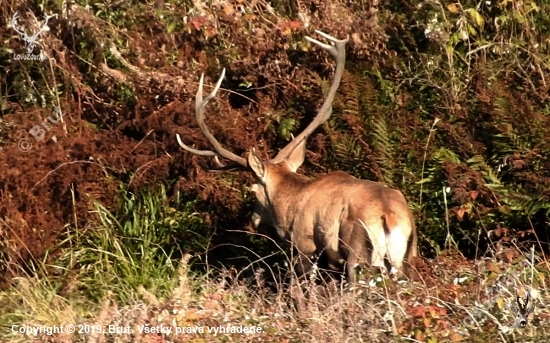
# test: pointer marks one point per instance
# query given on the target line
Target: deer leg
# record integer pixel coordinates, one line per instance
(360, 251)
(303, 264)
(376, 238)
(397, 244)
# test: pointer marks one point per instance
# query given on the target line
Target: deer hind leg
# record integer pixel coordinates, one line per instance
(377, 236)
(397, 243)
(358, 251)
(379, 250)
(329, 242)
(397, 248)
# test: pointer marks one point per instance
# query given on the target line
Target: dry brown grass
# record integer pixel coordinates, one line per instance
(451, 306)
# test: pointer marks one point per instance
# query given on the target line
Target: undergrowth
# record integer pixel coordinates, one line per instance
(117, 279)
(445, 101)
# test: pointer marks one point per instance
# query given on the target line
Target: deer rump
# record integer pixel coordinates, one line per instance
(346, 220)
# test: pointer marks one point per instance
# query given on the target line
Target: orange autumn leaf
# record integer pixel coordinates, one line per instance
(229, 10)
(455, 337)
(417, 311)
(294, 24)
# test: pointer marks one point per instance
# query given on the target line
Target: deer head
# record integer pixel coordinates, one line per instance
(522, 311)
(289, 159)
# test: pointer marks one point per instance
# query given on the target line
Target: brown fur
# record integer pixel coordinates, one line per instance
(346, 218)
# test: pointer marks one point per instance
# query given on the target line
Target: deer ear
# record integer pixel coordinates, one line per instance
(257, 166)
(297, 157)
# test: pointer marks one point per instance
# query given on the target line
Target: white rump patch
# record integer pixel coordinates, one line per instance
(392, 246)
(379, 244)
(397, 247)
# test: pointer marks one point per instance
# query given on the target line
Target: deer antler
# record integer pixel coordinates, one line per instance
(338, 50)
(13, 19)
(239, 162)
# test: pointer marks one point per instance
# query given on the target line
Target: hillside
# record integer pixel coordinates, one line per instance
(106, 220)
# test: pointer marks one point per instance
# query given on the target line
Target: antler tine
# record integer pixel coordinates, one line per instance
(14, 26)
(330, 48)
(195, 151)
(338, 50)
(200, 103)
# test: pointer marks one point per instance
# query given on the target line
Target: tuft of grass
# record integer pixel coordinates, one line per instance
(123, 256)
(137, 246)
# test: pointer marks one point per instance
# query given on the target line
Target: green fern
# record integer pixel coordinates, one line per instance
(444, 155)
(383, 144)
(489, 174)
(510, 139)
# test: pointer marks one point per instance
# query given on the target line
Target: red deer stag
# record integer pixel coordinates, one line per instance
(352, 221)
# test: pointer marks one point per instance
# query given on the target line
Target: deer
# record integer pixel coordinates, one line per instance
(355, 223)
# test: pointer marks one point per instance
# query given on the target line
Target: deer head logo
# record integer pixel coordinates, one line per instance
(29, 40)
(522, 311)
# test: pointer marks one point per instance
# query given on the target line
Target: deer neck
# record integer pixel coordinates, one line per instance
(283, 192)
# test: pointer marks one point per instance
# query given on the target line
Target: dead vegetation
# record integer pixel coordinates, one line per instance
(435, 96)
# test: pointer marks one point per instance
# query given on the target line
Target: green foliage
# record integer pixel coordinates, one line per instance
(489, 140)
(285, 128)
(384, 144)
(138, 244)
(136, 253)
